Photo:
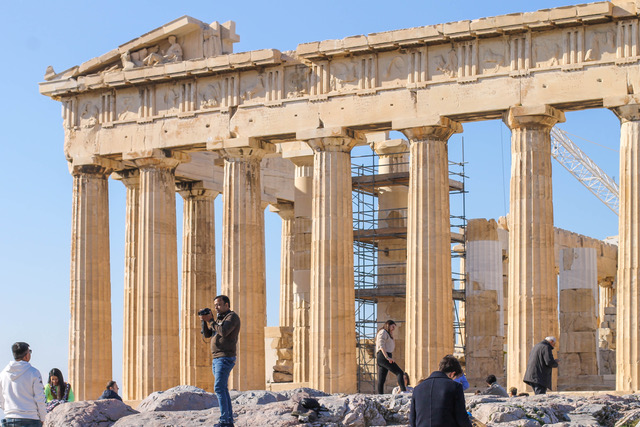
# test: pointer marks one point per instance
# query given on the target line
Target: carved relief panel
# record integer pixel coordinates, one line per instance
(296, 81)
(627, 41)
(344, 75)
(88, 112)
(547, 49)
(492, 56)
(253, 87)
(127, 104)
(443, 62)
(392, 69)
(417, 66)
(600, 43)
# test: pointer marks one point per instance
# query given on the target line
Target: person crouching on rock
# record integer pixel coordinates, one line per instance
(385, 344)
(111, 392)
(56, 390)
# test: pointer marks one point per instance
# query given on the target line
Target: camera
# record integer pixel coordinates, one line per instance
(204, 312)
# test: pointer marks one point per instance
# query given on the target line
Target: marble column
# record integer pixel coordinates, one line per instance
(332, 358)
(429, 308)
(484, 302)
(158, 315)
(286, 213)
(243, 258)
(131, 179)
(198, 282)
(90, 287)
(392, 253)
(628, 293)
(302, 265)
(533, 288)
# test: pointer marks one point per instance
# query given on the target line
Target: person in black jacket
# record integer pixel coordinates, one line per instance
(540, 365)
(438, 401)
(111, 391)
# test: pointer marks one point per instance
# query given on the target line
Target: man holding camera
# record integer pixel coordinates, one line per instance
(224, 328)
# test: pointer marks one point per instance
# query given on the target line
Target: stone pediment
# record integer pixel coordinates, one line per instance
(183, 39)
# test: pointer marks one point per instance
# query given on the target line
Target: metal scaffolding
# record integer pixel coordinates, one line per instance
(371, 227)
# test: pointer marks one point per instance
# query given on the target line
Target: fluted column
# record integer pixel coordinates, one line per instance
(392, 253)
(302, 265)
(285, 211)
(243, 260)
(131, 179)
(628, 294)
(429, 308)
(333, 365)
(484, 300)
(90, 287)
(198, 282)
(533, 294)
(158, 346)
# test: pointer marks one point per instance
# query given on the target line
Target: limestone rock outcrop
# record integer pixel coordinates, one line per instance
(100, 413)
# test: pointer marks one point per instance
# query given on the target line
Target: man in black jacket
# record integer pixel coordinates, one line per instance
(438, 401)
(540, 365)
(224, 328)
(111, 391)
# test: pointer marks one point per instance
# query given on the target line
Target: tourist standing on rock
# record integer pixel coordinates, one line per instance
(21, 390)
(493, 388)
(111, 392)
(57, 391)
(438, 401)
(385, 344)
(540, 365)
(224, 328)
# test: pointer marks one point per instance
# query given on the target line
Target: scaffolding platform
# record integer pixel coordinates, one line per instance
(373, 235)
(371, 183)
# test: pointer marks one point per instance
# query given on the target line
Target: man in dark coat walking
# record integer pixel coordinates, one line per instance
(438, 401)
(540, 365)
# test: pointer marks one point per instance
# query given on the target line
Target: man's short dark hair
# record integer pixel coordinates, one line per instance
(20, 350)
(224, 298)
(491, 379)
(110, 384)
(450, 364)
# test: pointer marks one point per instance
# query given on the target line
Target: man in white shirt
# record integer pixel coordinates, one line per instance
(21, 390)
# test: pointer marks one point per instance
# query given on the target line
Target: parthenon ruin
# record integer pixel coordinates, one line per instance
(175, 110)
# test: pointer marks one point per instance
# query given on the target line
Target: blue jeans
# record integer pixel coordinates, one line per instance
(222, 367)
(21, 422)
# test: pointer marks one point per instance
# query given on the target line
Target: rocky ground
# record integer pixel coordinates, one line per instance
(190, 406)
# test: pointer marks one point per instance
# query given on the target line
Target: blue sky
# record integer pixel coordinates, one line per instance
(35, 219)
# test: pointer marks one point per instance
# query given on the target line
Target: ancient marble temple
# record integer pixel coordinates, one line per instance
(175, 110)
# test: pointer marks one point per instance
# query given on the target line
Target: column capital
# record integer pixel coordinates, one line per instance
(627, 113)
(93, 165)
(329, 139)
(196, 190)
(283, 208)
(129, 177)
(544, 116)
(441, 128)
(390, 147)
(157, 158)
(241, 148)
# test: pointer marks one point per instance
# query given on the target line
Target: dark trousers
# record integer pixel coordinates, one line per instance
(21, 422)
(384, 367)
(538, 389)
